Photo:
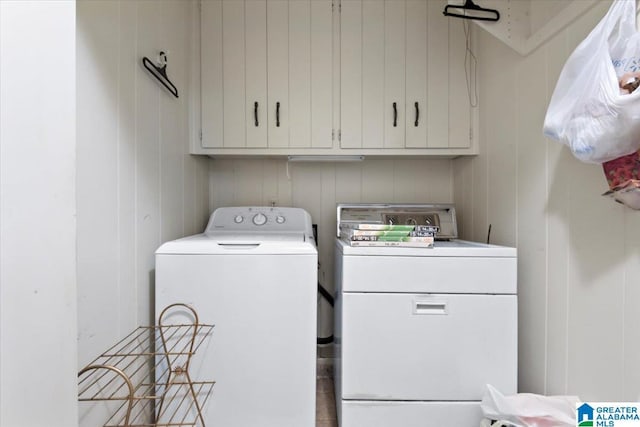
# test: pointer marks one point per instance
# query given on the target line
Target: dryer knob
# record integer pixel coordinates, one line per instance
(259, 219)
(280, 219)
(238, 219)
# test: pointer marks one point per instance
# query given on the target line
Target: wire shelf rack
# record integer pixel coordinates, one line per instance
(146, 374)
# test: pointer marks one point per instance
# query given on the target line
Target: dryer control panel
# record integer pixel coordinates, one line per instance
(441, 215)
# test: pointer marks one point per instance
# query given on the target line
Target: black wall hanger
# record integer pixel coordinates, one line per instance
(160, 72)
(470, 10)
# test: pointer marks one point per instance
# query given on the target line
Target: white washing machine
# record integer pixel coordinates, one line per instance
(421, 331)
(253, 274)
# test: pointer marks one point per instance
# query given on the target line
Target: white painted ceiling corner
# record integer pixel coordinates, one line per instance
(518, 30)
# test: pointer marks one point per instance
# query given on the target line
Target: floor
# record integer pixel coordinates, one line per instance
(325, 398)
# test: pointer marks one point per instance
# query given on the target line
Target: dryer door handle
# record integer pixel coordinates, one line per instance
(429, 307)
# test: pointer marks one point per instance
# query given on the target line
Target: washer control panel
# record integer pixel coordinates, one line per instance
(262, 219)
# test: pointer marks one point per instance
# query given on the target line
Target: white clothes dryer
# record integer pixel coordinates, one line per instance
(420, 332)
(253, 274)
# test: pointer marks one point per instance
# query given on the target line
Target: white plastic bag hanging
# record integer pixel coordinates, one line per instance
(587, 111)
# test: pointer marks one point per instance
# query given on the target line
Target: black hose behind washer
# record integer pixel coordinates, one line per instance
(322, 291)
(326, 295)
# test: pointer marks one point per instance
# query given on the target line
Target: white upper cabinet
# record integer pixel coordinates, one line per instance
(266, 74)
(403, 83)
(371, 77)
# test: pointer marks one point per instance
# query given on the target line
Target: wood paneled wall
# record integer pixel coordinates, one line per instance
(38, 322)
(318, 187)
(578, 252)
(137, 186)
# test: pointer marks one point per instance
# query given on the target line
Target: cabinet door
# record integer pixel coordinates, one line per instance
(351, 78)
(394, 73)
(321, 73)
(416, 66)
(448, 113)
(256, 116)
(278, 72)
(310, 73)
(211, 71)
(461, 87)
(299, 39)
(266, 73)
(372, 73)
(437, 78)
(403, 82)
(440, 119)
(373, 76)
(233, 73)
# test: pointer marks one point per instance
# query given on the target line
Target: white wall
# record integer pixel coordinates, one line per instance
(579, 257)
(137, 185)
(318, 187)
(37, 214)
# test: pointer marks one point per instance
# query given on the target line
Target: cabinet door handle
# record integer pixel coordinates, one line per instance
(417, 114)
(255, 113)
(395, 115)
(277, 114)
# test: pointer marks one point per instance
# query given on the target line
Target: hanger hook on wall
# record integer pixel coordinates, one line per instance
(162, 59)
(470, 10)
(160, 72)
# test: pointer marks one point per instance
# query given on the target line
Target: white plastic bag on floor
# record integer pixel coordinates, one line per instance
(587, 111)
(529, 410)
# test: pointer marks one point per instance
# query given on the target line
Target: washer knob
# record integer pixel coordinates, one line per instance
(280, 219)
(238, 219)
(259, 219)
